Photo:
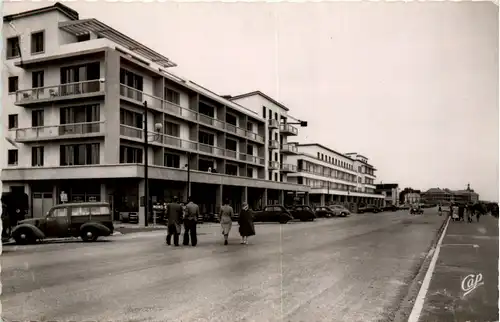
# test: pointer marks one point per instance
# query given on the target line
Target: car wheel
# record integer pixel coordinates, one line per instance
(89, 234)
(24, 237)
(343, 214)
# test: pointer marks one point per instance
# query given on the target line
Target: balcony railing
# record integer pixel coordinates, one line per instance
(273, 144)
(192, 146)
(273, 124)
(59, 131)
(186, 113)
(274, 165)
(290, 148)
(288, 167)
(69, 90)
(287, 128)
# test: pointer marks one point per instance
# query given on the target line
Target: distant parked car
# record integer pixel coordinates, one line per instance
(274, 213)
(340, 211)
(303, 213)
(390, 208)
(88, 220)
(368, 208)
(324, 212)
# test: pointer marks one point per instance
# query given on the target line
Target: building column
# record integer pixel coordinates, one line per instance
(218, 198)
(112, 111)
(306, 199)
(104, 196)
(142, 222)
(264, 198)
(281, 197)
(322, 200)
(244, 195)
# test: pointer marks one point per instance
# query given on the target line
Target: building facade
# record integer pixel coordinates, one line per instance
(412, 198)
(445, 196)
(75, 101)
(334, 177)
(390, 191)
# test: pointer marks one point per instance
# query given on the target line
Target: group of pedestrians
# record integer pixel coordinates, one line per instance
(187, 216)
(463, 212)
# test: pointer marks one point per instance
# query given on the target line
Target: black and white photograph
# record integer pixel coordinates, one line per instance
(251, 161)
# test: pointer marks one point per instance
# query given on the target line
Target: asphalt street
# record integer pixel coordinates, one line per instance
(341, 269)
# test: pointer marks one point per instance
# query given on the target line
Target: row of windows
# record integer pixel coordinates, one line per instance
(325, 171)
(335, 161)
(314, 183)
(88, 154)
(71, 154)
(67, 115)
(37, 45)
(69, 74)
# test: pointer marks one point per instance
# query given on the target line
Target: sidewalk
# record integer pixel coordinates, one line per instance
(126, 228)
(464, 284)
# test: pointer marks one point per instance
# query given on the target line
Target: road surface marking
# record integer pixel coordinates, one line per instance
(419, 302)
(473, 245)
(471, 282)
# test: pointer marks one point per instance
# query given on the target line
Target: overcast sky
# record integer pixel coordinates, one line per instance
(412, 86)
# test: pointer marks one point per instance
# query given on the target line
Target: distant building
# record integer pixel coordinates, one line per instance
(412, 198)
(390, 192)
(437, 195)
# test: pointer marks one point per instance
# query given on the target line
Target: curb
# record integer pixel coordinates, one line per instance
(406, 305)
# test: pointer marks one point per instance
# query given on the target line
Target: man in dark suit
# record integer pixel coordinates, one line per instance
(174, 214)
(190, 219)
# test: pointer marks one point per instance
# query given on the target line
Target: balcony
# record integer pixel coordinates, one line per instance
(289, 148)
(274, 165)
(58, 132)
(288, 167)
(139, 97)
(273, 124)
(63, 92)
(186, 145)
(287, 129)
(273, 144)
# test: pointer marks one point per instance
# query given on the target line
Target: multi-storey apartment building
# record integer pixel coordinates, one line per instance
(75, 104)
(282, 128)
(335, 177)
(390, 192)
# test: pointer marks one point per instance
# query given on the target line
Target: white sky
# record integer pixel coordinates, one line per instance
(412, 86)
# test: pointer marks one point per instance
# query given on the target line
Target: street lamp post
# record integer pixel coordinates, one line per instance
(146, 150)
(188, 166)
(158, 127)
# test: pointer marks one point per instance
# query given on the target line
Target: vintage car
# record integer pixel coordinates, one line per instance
(340, 211)
(274, 213)
(302, 212)
(324, 212)
(87, 220)
(416, 210)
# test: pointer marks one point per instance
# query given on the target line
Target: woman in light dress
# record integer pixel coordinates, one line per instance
(226, 221)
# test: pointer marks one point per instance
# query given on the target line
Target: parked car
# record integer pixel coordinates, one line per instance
(340, 211)
(323, 212)
(303, 213)
(390, 208)
(87, 220)
(368, 208)
(211, 217)
(416, 210)
(275, 213)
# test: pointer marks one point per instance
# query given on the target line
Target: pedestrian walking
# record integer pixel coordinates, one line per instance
(226, 221)
(454, 212)
(440, 210)
(461, 212)
(174, 215)
(245, 221)
(5, 222)
(190, 220)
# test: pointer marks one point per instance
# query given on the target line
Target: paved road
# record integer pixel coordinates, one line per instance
(341, 269)
(467, 250)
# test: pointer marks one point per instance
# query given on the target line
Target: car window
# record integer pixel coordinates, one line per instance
(100, 210)
(80, 211)
(59, 212)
